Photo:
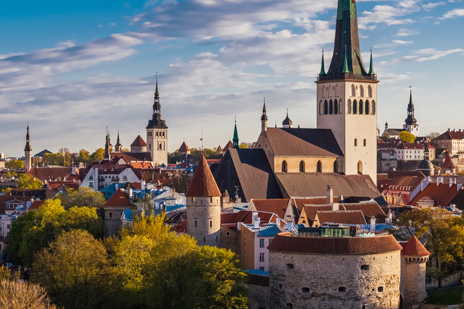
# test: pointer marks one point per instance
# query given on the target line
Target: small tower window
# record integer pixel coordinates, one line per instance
(302, 166)
(321, 108)
(284, 167)
(319, 166)
(355, 107)
(305, 290)
(380, 289)
(326, 107)
(373, 107)
(335, 107)
(355, 142)
(364, 142)
(342, 289)
(361, 91)
(367, 108)
(331, 107)
(360, 107)
(369, 91)
(290, 266)
(364, 267)
(360, 167)
(353, 91)
(348, 107)
(210, 223)
(195, 223)
(335, 166)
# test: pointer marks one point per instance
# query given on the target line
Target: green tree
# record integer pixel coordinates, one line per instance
(444, 235)
(180, 182)
(98, 155)
(75, 271)
(15, 165)
(26, 181)
(81, 197)
(20, 295)
(243, 146)
(407, 137)
(84, 156)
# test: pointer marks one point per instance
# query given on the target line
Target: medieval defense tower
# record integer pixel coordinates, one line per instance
(347, 97)
(204, 207)
(28, 151)
(157, 133)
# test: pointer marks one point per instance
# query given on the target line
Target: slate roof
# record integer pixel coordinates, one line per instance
(335, 245)
(351, 217)
(442, 194)
(249, 170)
(277, 206)
(413, 248)
(315, 184)
(203, 183)
(119, 199)
(184, 148)
(303, 142)
(42, 153)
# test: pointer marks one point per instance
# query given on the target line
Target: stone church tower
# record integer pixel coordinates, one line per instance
(157, 133)
(28, 151)
(347, 97)
(411, 123)
(204, 207)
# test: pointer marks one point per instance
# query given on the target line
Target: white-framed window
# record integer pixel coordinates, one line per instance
(261, 243)
(261, 257)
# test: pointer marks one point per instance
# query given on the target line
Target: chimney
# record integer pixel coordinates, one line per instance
(330, 194)
(372, 224)
(239, 226)
(255, 219)
(335, 206)
(142, 184)
(130, 193)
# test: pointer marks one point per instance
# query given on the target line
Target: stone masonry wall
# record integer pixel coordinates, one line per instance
(204, 220)
(334, 281)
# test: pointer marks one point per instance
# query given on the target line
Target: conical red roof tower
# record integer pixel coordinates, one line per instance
(203, 183)
(414, 248)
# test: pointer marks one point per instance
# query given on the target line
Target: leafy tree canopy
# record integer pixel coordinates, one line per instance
(15, 165)
(82, 197)
(26, 181)
(407, 137)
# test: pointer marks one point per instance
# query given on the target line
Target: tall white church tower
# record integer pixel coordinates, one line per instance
(347, 97)
(157, 133)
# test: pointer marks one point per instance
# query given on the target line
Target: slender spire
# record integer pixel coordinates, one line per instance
(108, 145)
(287, 123)
(410, 120)
(371, 69)
(157, 121)
(322, 64)
(235, 139)
(118, 146)
(28, 138)
(264, 116)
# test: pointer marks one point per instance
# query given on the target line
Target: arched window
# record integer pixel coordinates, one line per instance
(369, 91)
(319, 166)
(335, 166)
(302, 166)
(284, 167)
(164, 145)
(336, 107)
(355, 107)
(361, 91)
(365, 143)
(321, 108)
(360, 107)
(331, 107)
(360, 167)
(355, 142)
(373, 107)
(348, 107)
(353, 91)
(366, 110)
(340, 109)
(326, 107)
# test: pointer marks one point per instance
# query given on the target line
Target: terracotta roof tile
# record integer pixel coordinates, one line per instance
(410, 146)
(132, 156)
(50, 173)
(442, 194)
(311, 210)
(141, 165)
(369, 210)
(184, 148)
(119, 199)
(277, 206)
(341, 217)
(414, 248)
(203, 183)
(451, 135)
(448, 163)
(228, 146)
(36, 205)
(138, 141)
(246, 216)
(333, 245)
(318, 200)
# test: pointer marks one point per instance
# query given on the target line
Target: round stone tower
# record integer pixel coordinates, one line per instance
(414, 256)
(204, 207)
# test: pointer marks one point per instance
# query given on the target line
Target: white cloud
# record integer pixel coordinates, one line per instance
(453, 14)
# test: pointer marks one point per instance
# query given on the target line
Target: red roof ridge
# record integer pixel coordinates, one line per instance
(414, 248)
(184, 148)
(138, 141)
(203, 183)
(119, 199)
(448, 163)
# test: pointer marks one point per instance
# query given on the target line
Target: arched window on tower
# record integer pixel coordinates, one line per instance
(360, 107)
(340, 109)
(355, 107)
(319, 166)
(360, 167)
(361, 91)
(335, 166)
(164, 145)
(326, 107)
(331, 107)
(321, 108)
(284, 166)
(366, 110)
(336, 107)
(348, 107)
(373, 107)
(369, 91)
(302, 166)
(353, 91)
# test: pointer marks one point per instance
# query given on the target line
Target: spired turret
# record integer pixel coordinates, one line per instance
(204, 207)
(264, 118)
(410, 122)
(28, 151)
(287, 123)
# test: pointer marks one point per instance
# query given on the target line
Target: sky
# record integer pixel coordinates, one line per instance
(74, 68)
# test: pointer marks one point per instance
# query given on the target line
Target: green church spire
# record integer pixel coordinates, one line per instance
(235, 139)
(322, 64)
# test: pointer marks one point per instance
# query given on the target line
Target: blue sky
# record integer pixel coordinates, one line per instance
(75, 68)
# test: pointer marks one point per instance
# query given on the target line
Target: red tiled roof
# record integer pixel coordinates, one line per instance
(341, 217)
(119, 199)
(245, 216)
(277, 206)
(36, 205)
(300, 202)
(311, 210)
(203, 183)
(138, 141)
(335, 245)
(448, 163)
(452, 135)
(50, 173)
(184, 148)
(410, 146)
(414, 248)
(227, 146)
(442, 194)
(7, 198)
(369, 210)
(141, 165)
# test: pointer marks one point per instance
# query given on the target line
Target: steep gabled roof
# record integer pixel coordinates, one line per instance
(277, 206)
(441, 194)
(228, 146)
(203, 183)
(311, 210)
(317, 200)
(184, 148)
(369, 210)
(335, 245)
(448, 163)
(414, 248)
(119, 199)
(451, 135)
(342, 217)
(138, 141)
(303, 142)
(132, 156)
